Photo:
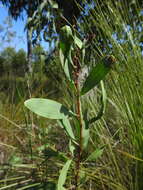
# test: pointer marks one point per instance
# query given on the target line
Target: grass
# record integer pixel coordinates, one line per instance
(121, 128)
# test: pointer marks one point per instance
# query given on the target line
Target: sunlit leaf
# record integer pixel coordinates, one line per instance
(85, 135)
(67, 126)
(47, 108)
(85, 132)
(66, 64)
(103, 105)
(98, 73)
(71, 147)
(65, 48)
(63, 175)
(66, 34)
(53, 4)
(78, 42)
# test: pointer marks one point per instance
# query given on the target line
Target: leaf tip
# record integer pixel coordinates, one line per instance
(110, 60)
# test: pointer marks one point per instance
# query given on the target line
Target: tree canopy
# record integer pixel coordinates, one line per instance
(48, 16)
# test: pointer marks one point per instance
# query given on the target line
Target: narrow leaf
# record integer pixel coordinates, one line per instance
(103, 105)
(65, 48)
(85, 130)
(42, 5)
(95, 155)
(66, 40)
(63, 175)
(66, 34)
(53, 4)
(98, 73)
(67, 126)
(66, 64)
(47, 108)
(71, 147)
(78, 42)
(85, 135)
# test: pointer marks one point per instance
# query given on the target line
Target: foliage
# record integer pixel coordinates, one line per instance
(6, 31)
(12, 61)
(115, 140)
(14, 69)
(54, 110)
(44, 17)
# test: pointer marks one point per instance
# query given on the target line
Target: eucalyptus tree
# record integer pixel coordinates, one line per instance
(12, 62)
(7, 34)
(41, 16)
(16, 10)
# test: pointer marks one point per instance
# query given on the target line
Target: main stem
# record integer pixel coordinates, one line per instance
(79, 114)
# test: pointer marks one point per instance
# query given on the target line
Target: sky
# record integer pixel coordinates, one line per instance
(20, 40)
(17, 42)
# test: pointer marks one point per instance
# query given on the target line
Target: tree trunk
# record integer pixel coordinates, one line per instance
(29, 50)
(29, 39)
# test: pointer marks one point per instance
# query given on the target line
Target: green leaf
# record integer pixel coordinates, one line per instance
(98, 73)
(78, 42)
(66, 35)
(66, 40)
(63, 175)
(71, 147)
(53, 4)
(82, 55)
(42, 5)
(47, 108)
(103, 105)
(66, 64)
(85, 132)
(65, 48)
(67, 126)
(95, 155)
(85, 136)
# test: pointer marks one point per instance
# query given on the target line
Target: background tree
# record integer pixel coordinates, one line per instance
(44, 14)
(13, 63)
(7, 33)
